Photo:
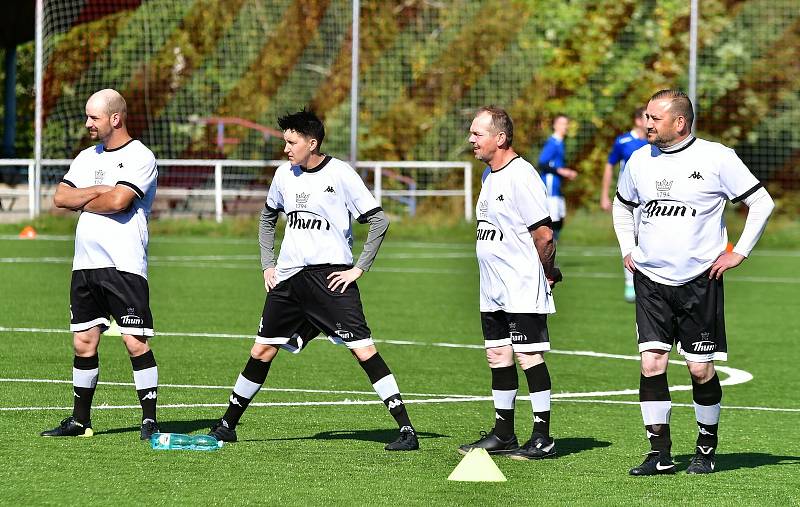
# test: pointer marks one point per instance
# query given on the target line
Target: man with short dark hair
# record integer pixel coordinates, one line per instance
(624, 146)
(113, 185)
(553, 168)
(313, 286)
(516, 261)
(682, 184)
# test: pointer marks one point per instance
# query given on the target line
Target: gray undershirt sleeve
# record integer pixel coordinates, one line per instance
(266, 236)
(378, 224)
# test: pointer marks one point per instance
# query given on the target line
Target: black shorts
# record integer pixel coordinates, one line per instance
(299, 308)
(97, 293)
(525, 332)
(691, 315)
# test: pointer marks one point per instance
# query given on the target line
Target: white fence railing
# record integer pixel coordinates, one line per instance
(410, 190)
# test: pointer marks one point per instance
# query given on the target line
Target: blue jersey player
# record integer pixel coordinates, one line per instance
(553, 169)
(624, 146)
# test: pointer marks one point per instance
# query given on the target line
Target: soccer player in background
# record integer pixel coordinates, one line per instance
(313, 285)
(516, 261)
(681, 183)
(552, 164)
(113, 185)
(624, 146)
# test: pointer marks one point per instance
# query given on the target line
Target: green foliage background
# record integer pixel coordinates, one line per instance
(424, 68)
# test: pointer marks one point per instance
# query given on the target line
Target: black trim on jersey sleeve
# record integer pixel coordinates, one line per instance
(132, 187)
(67, 182)
(363, 218)
(119, 147)
(318, 167)
(747, 194)
(274, 210)
(545, 221)
(625, 201)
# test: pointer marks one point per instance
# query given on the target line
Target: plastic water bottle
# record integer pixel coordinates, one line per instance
(179, 441)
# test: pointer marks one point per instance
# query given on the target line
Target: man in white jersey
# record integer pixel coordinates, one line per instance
(112, 185)
(516, 261)
(681, 184)
(313, 285)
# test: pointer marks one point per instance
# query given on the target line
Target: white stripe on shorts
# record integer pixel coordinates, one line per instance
(280, 340)
(654, 345)
(531, 347)
(490, 344)
(84, 326)
(137, 331)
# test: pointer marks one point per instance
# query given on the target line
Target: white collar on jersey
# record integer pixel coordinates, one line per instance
(679, 146)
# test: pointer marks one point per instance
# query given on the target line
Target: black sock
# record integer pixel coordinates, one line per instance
(504, 392)
(656, 407)
(247, 386)
(85, 371)
(145, 377)
(385, 385)
(707, 398)
(539, 386)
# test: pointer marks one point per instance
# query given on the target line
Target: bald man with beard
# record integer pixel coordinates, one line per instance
(112, 185)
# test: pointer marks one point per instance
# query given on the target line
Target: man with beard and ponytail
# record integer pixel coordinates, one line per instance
(681, 184)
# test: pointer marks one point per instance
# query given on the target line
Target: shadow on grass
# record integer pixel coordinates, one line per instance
(168, 427)
(567, 446)
(382, 436)
(739, 460)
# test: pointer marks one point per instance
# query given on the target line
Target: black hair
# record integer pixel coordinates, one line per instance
(306, 123)
(681, 105)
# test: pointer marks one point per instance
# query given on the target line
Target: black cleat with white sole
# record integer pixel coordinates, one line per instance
(407, 441)
(222, 432)
(702, 462)
(492, 443)
(655, 463)
(538, 447)
(69, 427)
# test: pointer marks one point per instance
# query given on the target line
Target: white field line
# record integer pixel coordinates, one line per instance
(216, 262)
(735, 376)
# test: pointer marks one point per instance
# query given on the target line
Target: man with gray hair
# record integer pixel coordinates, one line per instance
(112, 185)
(682, 183)
(516, 261)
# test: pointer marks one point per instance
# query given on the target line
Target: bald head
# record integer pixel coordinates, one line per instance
(108, 102)
(106, 113)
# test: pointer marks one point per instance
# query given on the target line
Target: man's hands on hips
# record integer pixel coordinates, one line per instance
(344, 278)
(270, 279)
(628, 263)
(724, 262)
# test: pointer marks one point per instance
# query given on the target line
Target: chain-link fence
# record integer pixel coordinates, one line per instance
(206, 78)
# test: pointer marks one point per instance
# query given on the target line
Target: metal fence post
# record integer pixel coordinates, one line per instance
(32, 189)
(468, 191)
(378, 183)
(218, 191)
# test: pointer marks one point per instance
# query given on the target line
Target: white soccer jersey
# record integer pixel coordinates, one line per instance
(512, 203)
(118, 240)
(682, 194)
(319, 204)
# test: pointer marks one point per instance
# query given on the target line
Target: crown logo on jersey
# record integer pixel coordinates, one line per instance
(302, 199)
(663, 185)
(483, 207)
(98, 176)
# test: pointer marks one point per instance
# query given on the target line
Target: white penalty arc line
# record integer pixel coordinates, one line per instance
(735, 375)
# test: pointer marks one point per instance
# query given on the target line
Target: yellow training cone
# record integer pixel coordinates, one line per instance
(113, 329)
(477, 466)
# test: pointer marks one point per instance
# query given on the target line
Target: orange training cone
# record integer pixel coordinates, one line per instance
(28, 232)
(729, 247)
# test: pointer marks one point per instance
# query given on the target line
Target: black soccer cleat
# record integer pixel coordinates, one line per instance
(702, 462)
(222, 432)
(69, 427)
(538, 447)
(655, 463)
(149, 427)
(492, 443)
(407, 441)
